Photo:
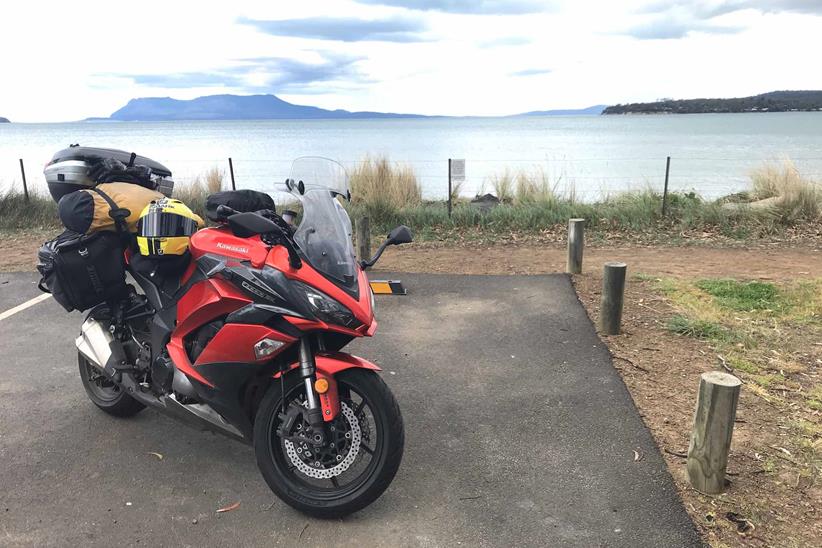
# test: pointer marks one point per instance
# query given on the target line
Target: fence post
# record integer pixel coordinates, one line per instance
(25, 186)
(665, 191)
(576, 243)
(449, 187)
(231, 170)
(363, 239)
(713, 429)
(613, 291)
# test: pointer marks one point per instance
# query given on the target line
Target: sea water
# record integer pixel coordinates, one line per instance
(591, 156)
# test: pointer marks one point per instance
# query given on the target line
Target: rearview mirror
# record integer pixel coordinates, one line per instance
(400, 235)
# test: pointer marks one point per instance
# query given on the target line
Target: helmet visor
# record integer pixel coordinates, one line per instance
(162, 224)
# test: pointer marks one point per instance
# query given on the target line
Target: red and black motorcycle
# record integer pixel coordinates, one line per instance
(248, 342)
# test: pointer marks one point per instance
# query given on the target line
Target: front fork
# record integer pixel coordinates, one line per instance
(308, 372)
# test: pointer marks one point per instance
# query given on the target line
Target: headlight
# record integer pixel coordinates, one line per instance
(328, 309)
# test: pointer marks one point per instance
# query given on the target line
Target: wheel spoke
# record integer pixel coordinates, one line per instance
(367, 449)
(359, 408)
(334, 482)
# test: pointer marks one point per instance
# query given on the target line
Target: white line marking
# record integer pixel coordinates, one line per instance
(20, 307)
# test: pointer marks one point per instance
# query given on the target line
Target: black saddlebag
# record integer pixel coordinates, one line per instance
(82, 271)
(241, 200)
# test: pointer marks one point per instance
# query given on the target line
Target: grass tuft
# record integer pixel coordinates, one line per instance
(789, 197)
(39, 212)
(699, 329)
(381, 189)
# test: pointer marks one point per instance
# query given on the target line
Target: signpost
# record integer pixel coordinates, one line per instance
(456, 174)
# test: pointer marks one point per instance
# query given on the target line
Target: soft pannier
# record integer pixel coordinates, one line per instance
(83, 270)
(240, 200)
(87, 211)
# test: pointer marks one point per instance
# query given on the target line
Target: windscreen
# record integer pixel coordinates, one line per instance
(324, 234)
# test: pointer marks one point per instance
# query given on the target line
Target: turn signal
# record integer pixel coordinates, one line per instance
(321, 386)
(266, 347)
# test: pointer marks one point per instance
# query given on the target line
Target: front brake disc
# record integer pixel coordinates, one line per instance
(344, 464)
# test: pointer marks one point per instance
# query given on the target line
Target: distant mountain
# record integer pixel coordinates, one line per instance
(263, 107)
(775, 101)
(4, 120)
(595, 110)
(232, 107)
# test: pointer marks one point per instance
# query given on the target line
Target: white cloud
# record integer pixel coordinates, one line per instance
(67, 61)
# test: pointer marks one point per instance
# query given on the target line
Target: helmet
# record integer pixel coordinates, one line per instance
(165, 227)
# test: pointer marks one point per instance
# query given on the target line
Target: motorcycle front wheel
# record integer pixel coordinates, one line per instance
(353, 468)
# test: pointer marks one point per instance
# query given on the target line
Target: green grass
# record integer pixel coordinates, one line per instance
(742, 295)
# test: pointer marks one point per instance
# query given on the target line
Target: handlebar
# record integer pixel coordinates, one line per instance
(225, 211)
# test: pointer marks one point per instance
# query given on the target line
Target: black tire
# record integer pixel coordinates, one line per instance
(105, 394)
(295, 488)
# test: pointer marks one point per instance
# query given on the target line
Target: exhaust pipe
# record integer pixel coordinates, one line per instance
(94, 343)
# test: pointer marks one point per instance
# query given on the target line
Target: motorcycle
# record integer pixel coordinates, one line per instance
(248, 342)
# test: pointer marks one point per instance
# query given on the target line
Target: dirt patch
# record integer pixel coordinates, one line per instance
(764, 262)
(19, 248)
(773, 481)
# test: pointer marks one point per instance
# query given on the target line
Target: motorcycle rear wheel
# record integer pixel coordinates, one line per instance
(376, 439)
(104, 393)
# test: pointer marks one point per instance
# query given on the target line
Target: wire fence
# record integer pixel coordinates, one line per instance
(584, 178)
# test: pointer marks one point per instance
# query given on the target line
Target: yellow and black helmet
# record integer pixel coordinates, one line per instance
(165, 227)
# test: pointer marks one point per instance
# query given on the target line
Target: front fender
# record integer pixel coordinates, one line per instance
(330, 364)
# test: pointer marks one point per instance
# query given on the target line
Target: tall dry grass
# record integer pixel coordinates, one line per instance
(502, 185)
(535, 188)
(382, 188)
(785, 194)
(194, 194)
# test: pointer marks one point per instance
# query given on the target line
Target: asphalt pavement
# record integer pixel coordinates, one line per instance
(519, 432)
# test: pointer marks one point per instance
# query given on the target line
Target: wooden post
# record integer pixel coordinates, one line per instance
(363, 239)
(449, 187)
(713, 428)
(576, 243)
(25, 186)
(665, 191)
(231, 170)
(613, 290)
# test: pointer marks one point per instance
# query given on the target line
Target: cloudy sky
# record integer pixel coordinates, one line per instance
(70, 60)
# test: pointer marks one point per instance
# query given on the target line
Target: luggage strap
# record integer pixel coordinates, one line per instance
(119, 214)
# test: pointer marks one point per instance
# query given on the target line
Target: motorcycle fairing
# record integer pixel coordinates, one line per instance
(234, 343)
(204, 301)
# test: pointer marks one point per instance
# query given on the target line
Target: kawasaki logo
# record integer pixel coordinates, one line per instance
(234, 248)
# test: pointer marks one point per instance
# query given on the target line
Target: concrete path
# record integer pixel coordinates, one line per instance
(519, 432)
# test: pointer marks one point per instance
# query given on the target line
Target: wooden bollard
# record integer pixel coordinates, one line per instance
(613, 290)
(363, 239)
(713, 428)
(576, 243)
